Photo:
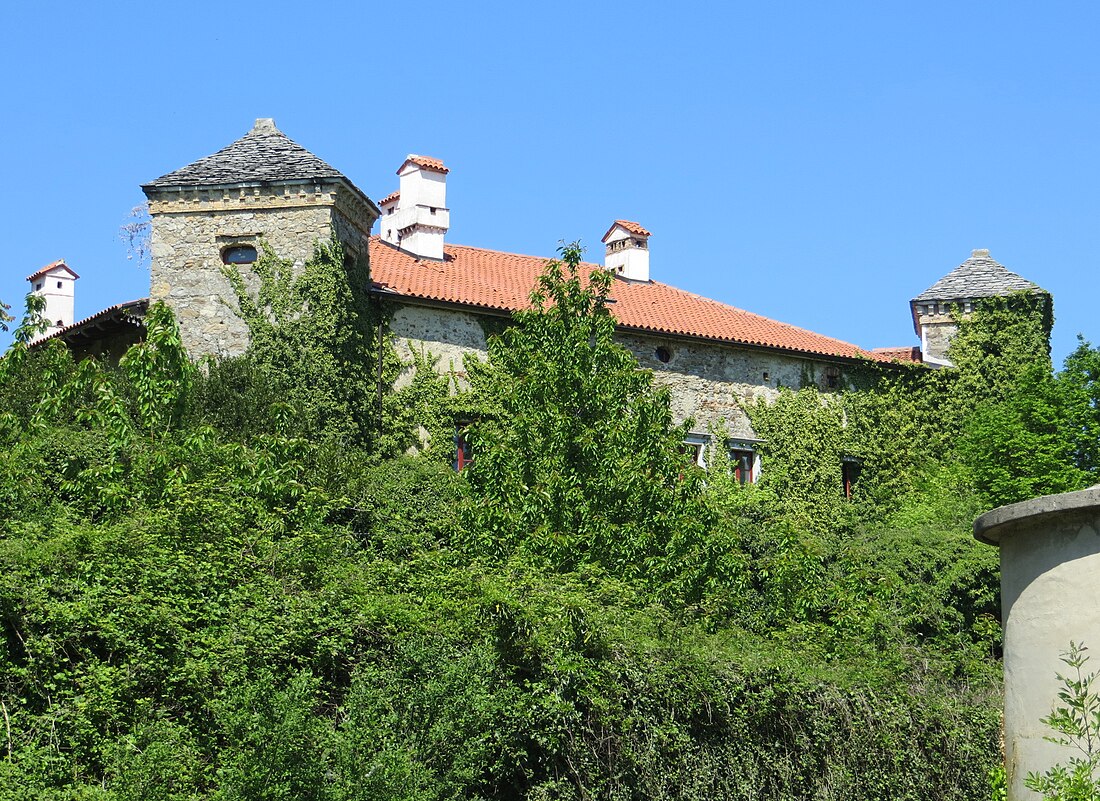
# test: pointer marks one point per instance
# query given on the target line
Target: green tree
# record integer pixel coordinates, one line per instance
(1026, 443)
(577, 457)
(1024, 431)
(1079, 381)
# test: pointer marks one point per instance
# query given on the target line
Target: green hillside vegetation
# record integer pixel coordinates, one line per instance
(232, 581)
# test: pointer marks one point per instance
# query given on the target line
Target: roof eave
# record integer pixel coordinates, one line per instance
(384, 291)
(155, 188)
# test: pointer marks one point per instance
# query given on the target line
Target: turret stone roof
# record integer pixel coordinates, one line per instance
(977, 277)
(263, 155)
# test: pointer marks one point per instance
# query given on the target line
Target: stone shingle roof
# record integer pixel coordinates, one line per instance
(977, 277)
(264, 154)
(492, 280)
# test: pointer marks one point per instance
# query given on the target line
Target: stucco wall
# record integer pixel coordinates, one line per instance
(1050, 596)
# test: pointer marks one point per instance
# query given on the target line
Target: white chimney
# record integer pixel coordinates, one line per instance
(627, 254)
(56, 283)
(416, 217)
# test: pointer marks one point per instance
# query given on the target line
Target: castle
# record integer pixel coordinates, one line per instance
(264, 187)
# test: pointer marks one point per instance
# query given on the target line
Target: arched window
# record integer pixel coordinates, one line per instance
(238, 254)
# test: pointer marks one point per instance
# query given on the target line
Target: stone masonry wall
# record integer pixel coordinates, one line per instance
(938, 331)
(708, 381)
(449, 335)
(191, 228)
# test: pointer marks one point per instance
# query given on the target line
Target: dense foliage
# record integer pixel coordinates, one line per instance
(578, 459)
(220, 583)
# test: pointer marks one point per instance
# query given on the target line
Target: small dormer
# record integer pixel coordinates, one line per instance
(416, 217)
(56, 283)
(627, 254)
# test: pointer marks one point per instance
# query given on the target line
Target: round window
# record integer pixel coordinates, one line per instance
(239, 254)
(663, 355)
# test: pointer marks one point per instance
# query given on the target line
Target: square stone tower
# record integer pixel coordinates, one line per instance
(215, 212)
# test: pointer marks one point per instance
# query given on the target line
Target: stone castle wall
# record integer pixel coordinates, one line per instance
(937, 331)
(708, 381)
(447, 335)
(190, 229)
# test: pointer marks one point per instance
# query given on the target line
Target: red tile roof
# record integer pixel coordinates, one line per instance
(427, 162)
(130, 313)
(632, 227)
(491, 280)
(53, 264)
(900, 354)
(391, 196)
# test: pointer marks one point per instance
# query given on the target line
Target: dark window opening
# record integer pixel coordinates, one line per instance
(239, 254)
(38, 286)
(60, 324)
(663, 355)
(849, 474)
(694, 452)
(743, 461)
(463, 453)
(59, 285)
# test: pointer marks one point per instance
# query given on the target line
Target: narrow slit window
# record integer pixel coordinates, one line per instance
(849, 474)
(463, 453)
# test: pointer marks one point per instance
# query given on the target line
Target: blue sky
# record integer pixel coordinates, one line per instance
(819, 163)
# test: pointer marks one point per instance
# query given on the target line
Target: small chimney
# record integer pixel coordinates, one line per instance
(627, 254)
(416, 217)
(56, 283)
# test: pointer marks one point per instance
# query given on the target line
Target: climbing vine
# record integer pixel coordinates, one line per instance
(312, 333)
